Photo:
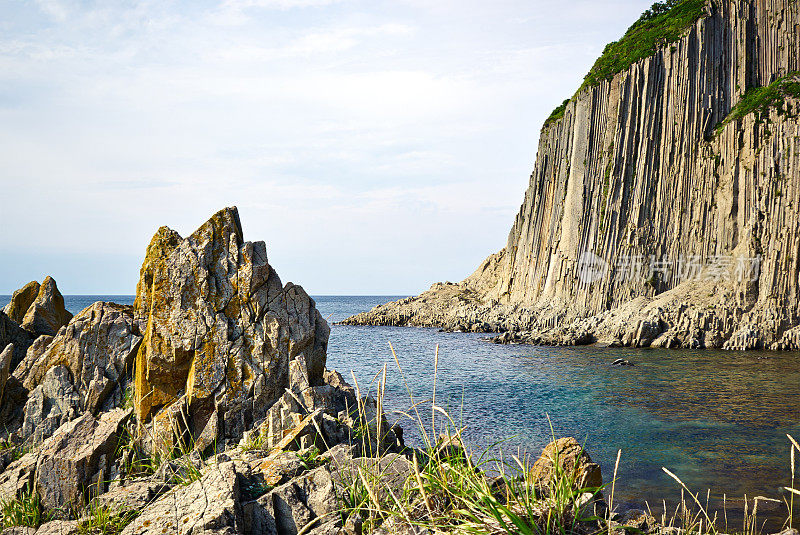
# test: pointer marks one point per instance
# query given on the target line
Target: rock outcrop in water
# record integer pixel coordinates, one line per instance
(664, 204)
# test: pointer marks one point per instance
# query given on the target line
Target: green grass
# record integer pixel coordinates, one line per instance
(310, 459)
(105, 520)
(16, 450)
(557, 114)
(761, 99)
(25, 510)
(663, 23)
(450, 490)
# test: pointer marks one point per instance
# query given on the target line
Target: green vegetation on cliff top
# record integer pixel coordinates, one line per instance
(761, 99)
(557, 114)
(664, 23)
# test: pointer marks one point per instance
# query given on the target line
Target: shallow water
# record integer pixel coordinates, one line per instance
(717, 419)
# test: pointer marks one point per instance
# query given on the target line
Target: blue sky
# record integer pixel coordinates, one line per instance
(377, 147)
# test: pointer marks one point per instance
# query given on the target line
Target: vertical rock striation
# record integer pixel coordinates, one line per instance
(651, 165)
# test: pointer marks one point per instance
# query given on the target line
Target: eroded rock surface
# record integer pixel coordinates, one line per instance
(220, 331)
(46, 315)
(21, 301)
(97, 347)
(11, 333)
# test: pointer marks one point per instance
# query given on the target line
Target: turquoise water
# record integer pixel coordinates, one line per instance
(717, 419)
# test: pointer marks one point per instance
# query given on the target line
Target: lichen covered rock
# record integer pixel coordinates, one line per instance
(219, 331)
(565, 456)
(21, 301)
(46, 315)
(97, 347)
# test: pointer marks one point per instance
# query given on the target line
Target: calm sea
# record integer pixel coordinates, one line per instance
(717, 419)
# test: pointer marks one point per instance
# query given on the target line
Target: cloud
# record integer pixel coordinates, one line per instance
(277, 4)
(347, 132)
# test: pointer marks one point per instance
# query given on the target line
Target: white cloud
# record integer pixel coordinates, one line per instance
(277, 4)
(344, 131)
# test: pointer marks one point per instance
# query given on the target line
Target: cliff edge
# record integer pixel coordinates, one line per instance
(663, 205)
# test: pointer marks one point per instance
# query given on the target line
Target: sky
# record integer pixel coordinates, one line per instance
(376, 147)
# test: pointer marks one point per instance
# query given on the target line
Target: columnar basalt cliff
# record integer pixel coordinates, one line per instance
(690, 155)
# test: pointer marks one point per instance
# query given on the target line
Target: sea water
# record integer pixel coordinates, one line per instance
(717, 419)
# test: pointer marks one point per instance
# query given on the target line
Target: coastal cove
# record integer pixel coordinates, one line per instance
(717, 419)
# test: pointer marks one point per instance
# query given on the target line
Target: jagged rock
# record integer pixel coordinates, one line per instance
(18, 477)
(220, 331)
(295, 506)
(16, 395)
(74, 463)
(133, 495)
(46, 315)
(97, 347)
(747, 337)
(208, 505)
(324, 415)
(11, 333)
(21, 301)
(36, 349)
(19, 530)
(50, 405)
(572, 459)
(6, 356)
(648, 168)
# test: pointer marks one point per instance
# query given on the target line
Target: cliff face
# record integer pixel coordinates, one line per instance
(685, 213)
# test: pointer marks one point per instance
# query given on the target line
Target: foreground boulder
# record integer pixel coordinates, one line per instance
(71, 465)
(566, 456)
(220, 331)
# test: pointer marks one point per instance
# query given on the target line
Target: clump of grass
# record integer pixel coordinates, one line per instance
(255, 441)
(15, 451)
(103, 519)
(556, 114)
(662, 24)
(25, 510)
(450, 490)
(761, 99)
(311, 458)
(127, 397)
(135, 462)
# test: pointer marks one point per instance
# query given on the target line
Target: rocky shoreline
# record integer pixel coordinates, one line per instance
(207, 408)
(204, 408)
(662, 207)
